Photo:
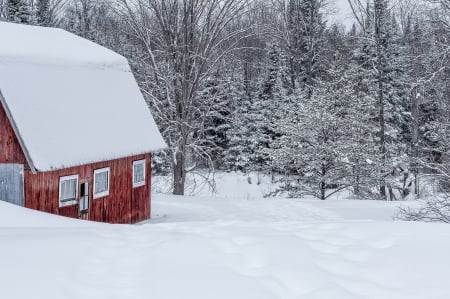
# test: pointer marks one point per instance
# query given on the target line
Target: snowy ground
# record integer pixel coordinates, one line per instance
(204, 247)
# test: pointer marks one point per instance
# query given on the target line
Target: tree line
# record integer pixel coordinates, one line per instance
(273, 86)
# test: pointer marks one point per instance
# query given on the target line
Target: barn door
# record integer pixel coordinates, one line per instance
(11, 183)
(84, 200)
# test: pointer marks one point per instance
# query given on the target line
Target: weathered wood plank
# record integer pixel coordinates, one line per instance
(11, 183)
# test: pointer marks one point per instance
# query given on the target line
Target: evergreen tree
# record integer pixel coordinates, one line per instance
(362, 151)
(241, 144)
(264, 109)
(382, 79)
(312, 43)
(18, 11)
(304, 42)
(43, 12)
(315, 132)
(217, 96)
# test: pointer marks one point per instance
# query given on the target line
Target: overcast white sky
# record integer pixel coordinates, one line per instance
(343, 12)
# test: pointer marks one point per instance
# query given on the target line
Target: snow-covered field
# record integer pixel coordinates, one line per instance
(231, 247)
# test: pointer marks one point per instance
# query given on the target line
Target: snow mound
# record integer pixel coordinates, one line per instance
(14, 216)
(204, 247)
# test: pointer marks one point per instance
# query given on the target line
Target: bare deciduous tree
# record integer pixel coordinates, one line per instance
(436, 209)
(183, 40)
(2, 9)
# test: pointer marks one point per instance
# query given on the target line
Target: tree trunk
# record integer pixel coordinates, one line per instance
(382, 139)
(380, 95)
(415, 139)
(292, 73)
(356, 184)
(179, 161)
(323, 185)
(391, 193)
(179, 174)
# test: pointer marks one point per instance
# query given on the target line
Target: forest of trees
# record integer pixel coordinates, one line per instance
(273, 86)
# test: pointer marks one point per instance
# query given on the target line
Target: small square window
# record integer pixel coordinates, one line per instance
(101, 182)
(139, 173)
(68, 190)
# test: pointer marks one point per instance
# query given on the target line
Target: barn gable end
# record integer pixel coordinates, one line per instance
(10, 149)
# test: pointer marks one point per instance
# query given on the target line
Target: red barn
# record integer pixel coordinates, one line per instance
(76, 135)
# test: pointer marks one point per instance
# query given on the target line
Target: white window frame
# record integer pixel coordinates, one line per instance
(104, 193)
(63, 202)
(142, 183)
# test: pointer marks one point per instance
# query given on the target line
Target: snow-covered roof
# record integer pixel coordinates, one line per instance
(71, 101)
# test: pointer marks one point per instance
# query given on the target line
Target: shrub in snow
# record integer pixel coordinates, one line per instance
(435, 209)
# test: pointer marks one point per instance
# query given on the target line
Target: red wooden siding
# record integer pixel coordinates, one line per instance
(124, 204)
(10, 150)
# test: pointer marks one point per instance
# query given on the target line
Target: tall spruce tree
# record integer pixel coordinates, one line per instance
(241, 145)
(18, 11)
(265, 107)
(363, 155)
(316, 131)
(216, 121)
(383, 80)
(303, 41)
(43, 12)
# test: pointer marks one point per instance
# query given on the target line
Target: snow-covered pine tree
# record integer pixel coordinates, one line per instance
(303, 41)
(215, 123)
(292, 40)
(81, 17)
(398, 112)
(264, 110)
(434, 94)
(382, 78)
(311, 37)
(362, 154)
(314, 135)
(241, 145)
(18, 11)
(43, 12)
(413, 53)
